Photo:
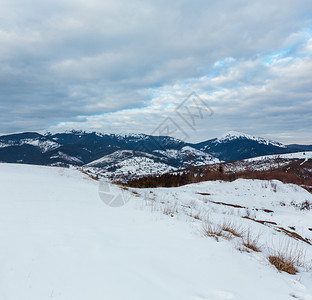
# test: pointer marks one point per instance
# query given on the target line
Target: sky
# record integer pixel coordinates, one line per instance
(194, 68)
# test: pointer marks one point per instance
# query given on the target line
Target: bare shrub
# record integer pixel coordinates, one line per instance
(305, 205)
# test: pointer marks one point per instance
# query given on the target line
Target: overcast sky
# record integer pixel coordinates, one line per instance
(125, 66)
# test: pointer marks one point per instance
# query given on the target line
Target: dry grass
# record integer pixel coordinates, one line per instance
(211, 229)
(170, 210)
(233, 229)
(228, 229)
(197, 217)
(251, 242)
(287, 258)
(283, 263)
(135, 193)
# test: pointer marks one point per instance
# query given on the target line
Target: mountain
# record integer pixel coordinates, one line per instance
(115, 154)
(236, 146)
(132, 154)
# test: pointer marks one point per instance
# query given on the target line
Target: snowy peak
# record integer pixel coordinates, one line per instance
(237, 146)
(234, 135)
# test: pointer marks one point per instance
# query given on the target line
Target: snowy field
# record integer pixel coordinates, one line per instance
(60, 241)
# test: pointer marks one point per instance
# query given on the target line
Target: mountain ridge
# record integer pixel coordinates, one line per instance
(151, 153)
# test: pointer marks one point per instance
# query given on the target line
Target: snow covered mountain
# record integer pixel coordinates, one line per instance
(116, 155)
(236, 146)
(132, 153)
(234, 135)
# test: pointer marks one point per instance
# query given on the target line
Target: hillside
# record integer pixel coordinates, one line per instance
(60, 241)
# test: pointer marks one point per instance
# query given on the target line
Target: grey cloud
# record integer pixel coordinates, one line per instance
(63, 59)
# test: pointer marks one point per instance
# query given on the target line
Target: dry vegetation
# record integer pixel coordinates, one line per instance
(229, 230)
(212, 173)
(283, 263)
(251, 242)
(287, 258)
(211, 229)
(233, 229)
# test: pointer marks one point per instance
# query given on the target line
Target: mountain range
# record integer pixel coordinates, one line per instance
(133, 153)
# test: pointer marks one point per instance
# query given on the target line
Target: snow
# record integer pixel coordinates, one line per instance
(296, 155)
(68, 158)
(233, 135)
(125, 163)
(60, 241)
(43, 145)
(116, 156)
(189, 153)
(132, 167)
(141, 136)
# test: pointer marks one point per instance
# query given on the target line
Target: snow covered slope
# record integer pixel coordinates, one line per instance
(128, 164)
(300, 163)
(296, 155)
(189, 156)
(60, 241)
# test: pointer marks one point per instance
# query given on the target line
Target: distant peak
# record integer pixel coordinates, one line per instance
(233, 135)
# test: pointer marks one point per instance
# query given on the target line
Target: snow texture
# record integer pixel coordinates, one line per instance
(60, 241)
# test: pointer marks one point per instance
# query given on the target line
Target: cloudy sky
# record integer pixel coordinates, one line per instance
(127, 66)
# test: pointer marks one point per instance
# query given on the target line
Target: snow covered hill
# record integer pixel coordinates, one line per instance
(126, 164)
(188, 156)
(297, 155)
(110, 152)
(60, 241)
(299, 163)
(234, 135)
(237, 146)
